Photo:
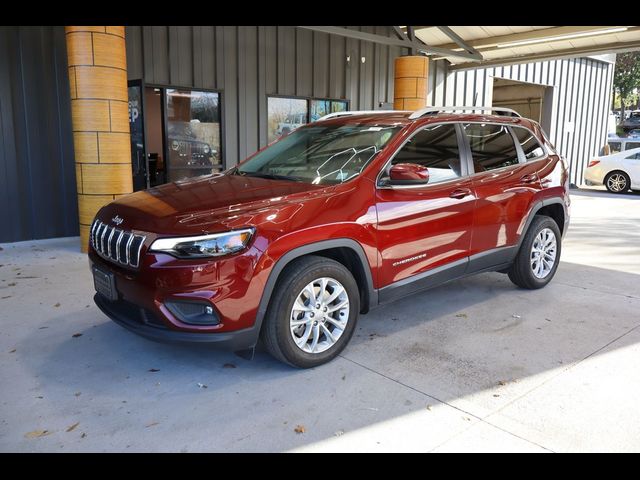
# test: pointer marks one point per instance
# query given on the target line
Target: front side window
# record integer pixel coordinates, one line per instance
(529, 143)
(320, 154)
(491, 146)
(435, 148)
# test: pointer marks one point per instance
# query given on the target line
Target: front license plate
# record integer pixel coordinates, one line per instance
(105, 284)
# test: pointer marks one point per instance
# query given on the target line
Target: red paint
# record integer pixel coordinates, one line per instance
(449, 220)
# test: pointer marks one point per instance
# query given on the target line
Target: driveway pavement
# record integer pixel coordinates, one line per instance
(476, 365)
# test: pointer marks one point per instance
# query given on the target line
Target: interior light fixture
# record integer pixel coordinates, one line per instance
(566, 36)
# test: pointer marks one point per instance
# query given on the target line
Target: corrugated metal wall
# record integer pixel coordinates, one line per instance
(248, 63)
(582, 95)
(37, 173)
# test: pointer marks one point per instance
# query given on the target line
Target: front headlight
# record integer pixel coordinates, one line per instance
(214, 245)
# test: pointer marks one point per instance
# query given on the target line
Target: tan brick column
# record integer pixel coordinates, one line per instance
(410, 82)
(100, 117)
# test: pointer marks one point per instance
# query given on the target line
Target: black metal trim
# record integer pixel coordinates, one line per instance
(491, 259)
(371, 292)
(422, 281)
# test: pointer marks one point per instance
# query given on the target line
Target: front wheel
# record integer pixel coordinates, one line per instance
(617, 182)
(539, 254)
(312, 313)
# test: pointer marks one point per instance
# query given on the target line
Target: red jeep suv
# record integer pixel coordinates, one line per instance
(341, 215)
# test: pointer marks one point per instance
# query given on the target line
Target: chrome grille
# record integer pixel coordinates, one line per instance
(116, 245)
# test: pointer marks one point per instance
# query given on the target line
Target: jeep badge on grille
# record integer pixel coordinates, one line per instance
(117, 220)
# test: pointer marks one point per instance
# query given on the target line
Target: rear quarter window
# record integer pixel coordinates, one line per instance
(529, 143)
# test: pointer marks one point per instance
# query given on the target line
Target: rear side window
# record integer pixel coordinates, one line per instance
(615, 147)
(630, 145)
(529, 143)
(491, 146)
(435, 148)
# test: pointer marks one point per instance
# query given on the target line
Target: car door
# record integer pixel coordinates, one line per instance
(425, 228)
(631, 165)
(505, 185)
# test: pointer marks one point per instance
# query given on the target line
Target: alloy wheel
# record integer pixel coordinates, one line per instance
(617, 182)
(319, 315)
(543, 253)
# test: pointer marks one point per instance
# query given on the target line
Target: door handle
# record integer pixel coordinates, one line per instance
(460, 193)
(530, 178)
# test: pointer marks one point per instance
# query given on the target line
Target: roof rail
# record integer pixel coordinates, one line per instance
(358, 112)
(427, 110)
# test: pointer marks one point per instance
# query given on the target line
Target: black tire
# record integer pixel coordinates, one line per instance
(521, 272)
(622, 174)
(275, 332)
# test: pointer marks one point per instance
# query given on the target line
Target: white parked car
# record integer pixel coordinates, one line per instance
(619, 172)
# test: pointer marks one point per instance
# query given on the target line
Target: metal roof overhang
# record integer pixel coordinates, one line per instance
(475, 46)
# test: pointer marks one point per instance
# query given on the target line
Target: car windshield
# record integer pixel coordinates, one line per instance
(320, 154)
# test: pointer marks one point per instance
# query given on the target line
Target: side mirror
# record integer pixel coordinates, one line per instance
(408, 174)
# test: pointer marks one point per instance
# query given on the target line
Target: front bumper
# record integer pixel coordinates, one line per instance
(143, 323)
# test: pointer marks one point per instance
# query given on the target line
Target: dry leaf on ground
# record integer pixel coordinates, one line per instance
(73, 427)
(228, 365)
(154, 370)
(299, 429)
(37, 434)
(76, 335)
(57, 304)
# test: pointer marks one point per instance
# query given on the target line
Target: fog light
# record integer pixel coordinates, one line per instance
(193, 312)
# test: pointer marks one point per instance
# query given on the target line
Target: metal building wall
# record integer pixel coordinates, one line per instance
(248, 63)
(37, 173)
(582, 95)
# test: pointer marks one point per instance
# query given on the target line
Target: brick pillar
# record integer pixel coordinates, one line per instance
(100, 118)
(410, 82)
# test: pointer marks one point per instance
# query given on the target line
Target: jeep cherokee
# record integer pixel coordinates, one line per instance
(352, 211)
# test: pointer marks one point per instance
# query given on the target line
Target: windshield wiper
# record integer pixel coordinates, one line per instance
(271, 176)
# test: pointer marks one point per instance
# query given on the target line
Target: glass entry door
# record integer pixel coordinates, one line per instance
(139, 165)
(192, 132)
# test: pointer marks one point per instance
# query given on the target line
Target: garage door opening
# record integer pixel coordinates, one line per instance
(531, 100)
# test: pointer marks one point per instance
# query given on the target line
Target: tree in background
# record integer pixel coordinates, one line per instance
(626, 78)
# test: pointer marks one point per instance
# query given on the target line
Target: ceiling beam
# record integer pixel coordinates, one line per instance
(414, 44)
(556, 54)
(489, 42)
(458, 40)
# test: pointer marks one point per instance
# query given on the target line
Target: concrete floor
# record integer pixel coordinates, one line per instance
(476, 365)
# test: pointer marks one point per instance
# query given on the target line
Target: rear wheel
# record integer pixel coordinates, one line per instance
(617, 182)
(312, 313)
(539, 254)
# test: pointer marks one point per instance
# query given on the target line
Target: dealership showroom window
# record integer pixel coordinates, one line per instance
(319, 238)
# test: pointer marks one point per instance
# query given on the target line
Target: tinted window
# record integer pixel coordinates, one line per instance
(529, 143)
(614, 147)
(630, 145)
(635, 156)
(491, 146)
(435, 148)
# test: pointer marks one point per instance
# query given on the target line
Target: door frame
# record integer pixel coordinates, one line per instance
(140, 83)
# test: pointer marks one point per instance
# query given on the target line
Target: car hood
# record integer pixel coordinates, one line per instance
(207, 204)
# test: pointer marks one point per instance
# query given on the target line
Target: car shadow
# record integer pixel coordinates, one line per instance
(454, 344)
